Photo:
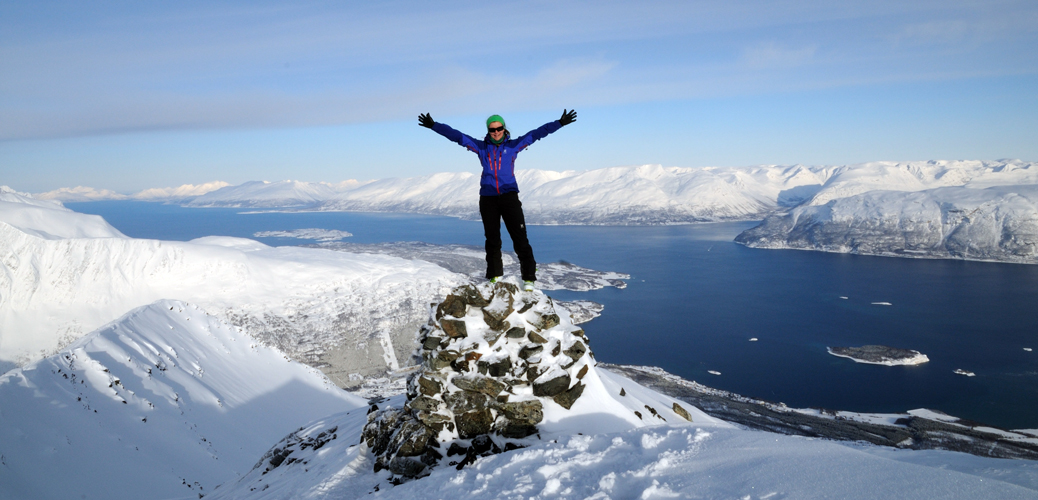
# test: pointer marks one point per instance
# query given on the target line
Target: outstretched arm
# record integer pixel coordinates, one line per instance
(543, 131)
(445, 130)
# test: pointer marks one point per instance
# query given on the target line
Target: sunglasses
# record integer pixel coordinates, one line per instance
(496, 129)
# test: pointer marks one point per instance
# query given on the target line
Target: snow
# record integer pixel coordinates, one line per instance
(917, 358)
(167, 401)
(85, 193)
(261, 194)
(992, 224)
(49, 219)
(173, 397)
(63, 274)
(705, 458)
(306, 234)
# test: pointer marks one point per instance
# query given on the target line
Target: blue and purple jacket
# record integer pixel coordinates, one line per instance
(498, 159)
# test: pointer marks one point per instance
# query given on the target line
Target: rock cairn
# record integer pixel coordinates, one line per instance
(492, 357)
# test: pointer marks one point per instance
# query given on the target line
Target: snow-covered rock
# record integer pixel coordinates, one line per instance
(994, 224)
(497, 364)
(880, 355)
(166, 401)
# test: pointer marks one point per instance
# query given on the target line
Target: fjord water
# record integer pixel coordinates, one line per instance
(695, 299)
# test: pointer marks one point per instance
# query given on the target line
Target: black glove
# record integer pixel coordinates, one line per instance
(425, 120)
(568, 117)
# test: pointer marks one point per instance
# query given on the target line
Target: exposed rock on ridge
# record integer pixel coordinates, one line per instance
(492, 357)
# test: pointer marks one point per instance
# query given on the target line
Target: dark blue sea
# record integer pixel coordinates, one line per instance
(695, 299)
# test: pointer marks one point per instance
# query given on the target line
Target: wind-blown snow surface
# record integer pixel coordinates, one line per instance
(49, 219)
(599, 452)
(63, 274)
(996, 224)
(167, 401)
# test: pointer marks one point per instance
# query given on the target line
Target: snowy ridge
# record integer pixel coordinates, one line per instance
(992, 224)
(851, 180)
(264, 194)
(327, 308)
(49, 219)
(648, 194)
(167, 401)
(85, 193)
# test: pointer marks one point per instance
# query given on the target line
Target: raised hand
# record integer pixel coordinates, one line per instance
(425, 120)
(568, 117)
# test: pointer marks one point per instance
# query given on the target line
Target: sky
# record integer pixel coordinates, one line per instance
(128, 95)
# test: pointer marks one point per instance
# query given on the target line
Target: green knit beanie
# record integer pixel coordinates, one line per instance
(495, 118)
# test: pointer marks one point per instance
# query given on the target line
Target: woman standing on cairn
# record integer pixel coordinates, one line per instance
(498, 191)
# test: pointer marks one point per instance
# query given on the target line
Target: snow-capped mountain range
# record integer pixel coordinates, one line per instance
(652, 194)
(169, 398)
(993, 224)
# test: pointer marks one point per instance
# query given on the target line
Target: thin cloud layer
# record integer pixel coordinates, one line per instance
(87, 69)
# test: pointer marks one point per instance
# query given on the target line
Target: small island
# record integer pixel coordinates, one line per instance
(880, 355)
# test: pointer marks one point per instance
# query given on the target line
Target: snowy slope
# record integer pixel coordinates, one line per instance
(851, 180)
(306, 301)
(165, 402)
(617, 440)
(995, 224)
(264, 194)
(49, 219)
(704, 458)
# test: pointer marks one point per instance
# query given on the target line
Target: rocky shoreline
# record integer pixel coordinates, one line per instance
(908, 431)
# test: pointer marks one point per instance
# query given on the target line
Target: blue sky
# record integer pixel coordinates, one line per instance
(132, 95)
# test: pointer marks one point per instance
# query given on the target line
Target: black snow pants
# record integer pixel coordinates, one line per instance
(508, 207)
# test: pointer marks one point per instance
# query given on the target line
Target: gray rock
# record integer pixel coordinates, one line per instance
(517, 431)
(522, 412)
(546, 321)
(406, 466)
(462, 401)
(548, 387)
(471, 295)
(582, 372)
(537, 338)
(576, 351)
(485, 385)
(567, 398)
(494, 323)
(428, 386)
(431, 343)
(452, 305)
(473, 423)
(434, 421)
(517, 332)
(498, 368)
(527, 351)
(424, 403)
(683, 413)
(443, 359)
(454, 328)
